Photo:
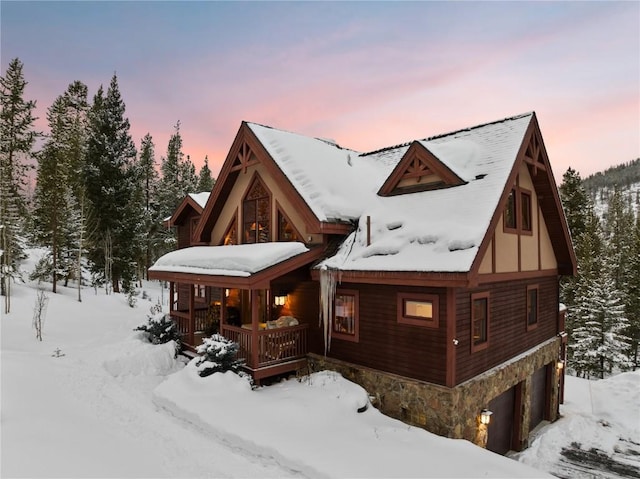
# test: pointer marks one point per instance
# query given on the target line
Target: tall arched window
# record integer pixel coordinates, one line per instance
(256, 214)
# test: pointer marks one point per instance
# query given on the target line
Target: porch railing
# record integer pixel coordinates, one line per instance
(181, 318)
(274, 345)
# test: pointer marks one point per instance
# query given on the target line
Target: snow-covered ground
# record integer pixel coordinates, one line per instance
(93, 399)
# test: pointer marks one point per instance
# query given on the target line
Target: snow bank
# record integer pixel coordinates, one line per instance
(312, 426)
(136, 356)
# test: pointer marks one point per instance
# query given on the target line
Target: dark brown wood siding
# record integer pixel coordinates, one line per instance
(185, 229)
(508, 335)
(384, 344)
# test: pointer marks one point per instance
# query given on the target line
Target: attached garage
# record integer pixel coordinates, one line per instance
(539, 397)
(503, 421)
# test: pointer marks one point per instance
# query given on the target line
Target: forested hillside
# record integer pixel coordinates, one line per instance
(604, 297)
(99, 201)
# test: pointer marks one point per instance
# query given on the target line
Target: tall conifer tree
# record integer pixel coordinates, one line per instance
(110, 182)
(205, 180)
(17, 137)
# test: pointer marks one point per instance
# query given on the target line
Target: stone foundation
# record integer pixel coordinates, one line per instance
(451, 412)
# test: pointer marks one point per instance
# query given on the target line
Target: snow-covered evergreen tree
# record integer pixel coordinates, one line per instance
(17, 137)
(59, 183)
(633, 293)
(110, 181)
(205, 180)
(178, 176)
(600, 343)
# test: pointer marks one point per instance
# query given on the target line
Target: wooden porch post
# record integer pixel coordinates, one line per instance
(254, 328)
(172, 291)
(192, 313)
(223, 309)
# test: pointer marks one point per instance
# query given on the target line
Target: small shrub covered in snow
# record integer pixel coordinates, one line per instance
(160, 328)
(218, 355)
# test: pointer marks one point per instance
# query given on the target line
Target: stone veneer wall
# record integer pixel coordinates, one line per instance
(451, 412)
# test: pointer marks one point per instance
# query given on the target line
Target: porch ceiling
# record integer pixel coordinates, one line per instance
(247, 266)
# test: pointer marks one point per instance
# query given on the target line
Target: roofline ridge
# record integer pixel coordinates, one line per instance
(443, 135)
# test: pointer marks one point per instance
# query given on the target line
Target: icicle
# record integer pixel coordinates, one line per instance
(328, 282)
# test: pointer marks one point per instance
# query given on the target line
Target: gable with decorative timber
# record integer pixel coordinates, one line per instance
(419, 170)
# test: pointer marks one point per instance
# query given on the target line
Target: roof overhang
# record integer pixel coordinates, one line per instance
(217, 272)
(404, 278)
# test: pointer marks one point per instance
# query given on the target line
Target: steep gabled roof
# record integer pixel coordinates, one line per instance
(443, 230)
(192, 202)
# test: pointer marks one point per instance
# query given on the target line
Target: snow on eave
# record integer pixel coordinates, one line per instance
(231, 260)
(200, 198)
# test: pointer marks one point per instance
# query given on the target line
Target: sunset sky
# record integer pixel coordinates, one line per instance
(366, 74)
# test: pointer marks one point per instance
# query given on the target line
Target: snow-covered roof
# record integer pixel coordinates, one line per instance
(232, 260)
(200, 198)
(430, 231)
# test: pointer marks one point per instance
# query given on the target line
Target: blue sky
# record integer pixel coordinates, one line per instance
(367, 74)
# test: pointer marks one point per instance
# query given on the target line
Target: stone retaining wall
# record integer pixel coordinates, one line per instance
(451, 412)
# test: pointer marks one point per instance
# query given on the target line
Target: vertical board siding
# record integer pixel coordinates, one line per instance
(508, 335)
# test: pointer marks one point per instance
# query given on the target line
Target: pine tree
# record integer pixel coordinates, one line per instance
(59, 182)
(178, 176)
(205, 180)
(110, 181)
(633, 293)
(577, 207)
(600, 344)
(149, 183)
(17, 137)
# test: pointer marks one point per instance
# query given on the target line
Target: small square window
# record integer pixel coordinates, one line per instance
(418, 309)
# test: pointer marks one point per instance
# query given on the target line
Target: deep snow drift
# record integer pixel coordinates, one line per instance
(94, 399)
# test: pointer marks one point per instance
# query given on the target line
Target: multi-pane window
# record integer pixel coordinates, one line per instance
(510, 211)
(532, 306)
(479, 321)
(231, 235)
(525, 206)
(345, 315)
(518, 211)
(418, 309)
(286, 231)
(256, 214)
(200, 292)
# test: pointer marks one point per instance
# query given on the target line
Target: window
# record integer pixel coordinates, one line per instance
(231, 235)
(256, 214)
(532, 307)
(510, 211)
(525, 205)
(200, 292)
(418, 309)
(286, 231)
(479, 321)
(345, 316)
(517, 212)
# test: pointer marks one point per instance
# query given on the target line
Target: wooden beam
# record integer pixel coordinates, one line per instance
(254, 328)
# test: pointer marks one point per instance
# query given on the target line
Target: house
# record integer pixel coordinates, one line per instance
(427, 272)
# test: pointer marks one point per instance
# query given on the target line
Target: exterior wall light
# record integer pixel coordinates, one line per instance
(485, 417)
(560, 364)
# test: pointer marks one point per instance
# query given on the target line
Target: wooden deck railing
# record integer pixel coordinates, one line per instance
(181, 318)
(274, 345)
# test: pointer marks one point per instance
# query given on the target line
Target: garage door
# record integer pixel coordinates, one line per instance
(538, 397)
(502, 422)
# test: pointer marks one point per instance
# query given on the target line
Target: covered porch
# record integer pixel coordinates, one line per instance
(246, 302)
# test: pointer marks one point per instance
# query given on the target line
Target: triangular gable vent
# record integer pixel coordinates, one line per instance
(419, 170)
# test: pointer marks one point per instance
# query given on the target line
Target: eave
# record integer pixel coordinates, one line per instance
(259, 280)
